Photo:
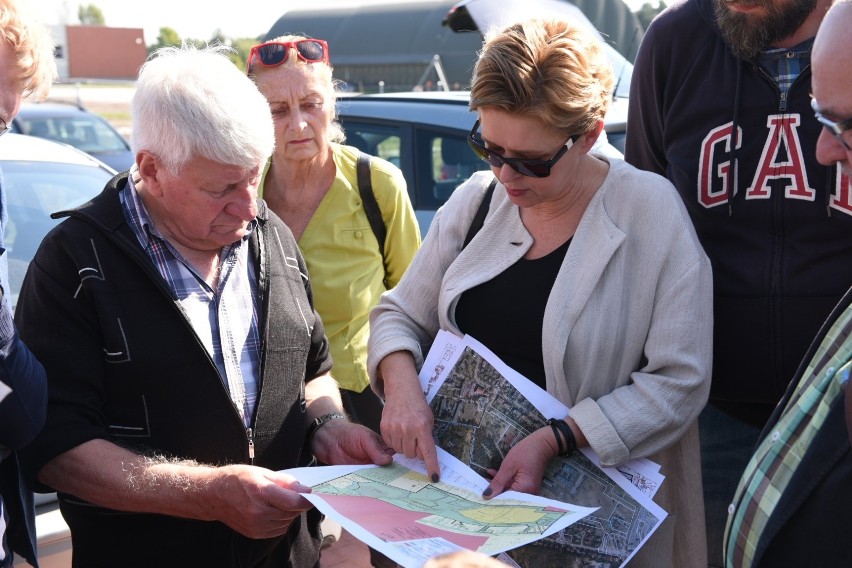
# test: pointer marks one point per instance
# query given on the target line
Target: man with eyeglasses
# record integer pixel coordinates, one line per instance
(27, 70)
(832, 94)
(186, 364)
(793, 506)
(720, 104)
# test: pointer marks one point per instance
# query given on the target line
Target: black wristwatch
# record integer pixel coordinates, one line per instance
(320, 420)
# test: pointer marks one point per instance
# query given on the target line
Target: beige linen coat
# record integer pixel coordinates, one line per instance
(627, 332)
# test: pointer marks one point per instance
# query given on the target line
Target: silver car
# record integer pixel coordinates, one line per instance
(78, 127)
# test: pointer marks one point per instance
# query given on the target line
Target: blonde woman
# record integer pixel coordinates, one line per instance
(586, 276)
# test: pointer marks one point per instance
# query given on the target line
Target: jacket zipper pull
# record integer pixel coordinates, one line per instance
(250, 434)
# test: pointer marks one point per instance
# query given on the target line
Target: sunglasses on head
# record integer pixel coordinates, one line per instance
(531, 168)
(840, 128)
(274, 53)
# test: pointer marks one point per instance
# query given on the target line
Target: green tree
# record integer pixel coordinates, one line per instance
(219, 38)
(90, 15)
(243, 46)
(648, 12)
(168, 38)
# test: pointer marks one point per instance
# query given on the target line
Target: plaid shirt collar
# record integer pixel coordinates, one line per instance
(786, 64)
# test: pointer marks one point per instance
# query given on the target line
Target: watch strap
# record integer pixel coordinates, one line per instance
(320, 421)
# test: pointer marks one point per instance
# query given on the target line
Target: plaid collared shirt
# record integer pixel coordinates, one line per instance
(224, 319)
(779, 454)
(785, 65)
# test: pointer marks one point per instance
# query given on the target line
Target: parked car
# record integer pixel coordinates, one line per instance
(425, 135)
(39, 178)
(79, 128)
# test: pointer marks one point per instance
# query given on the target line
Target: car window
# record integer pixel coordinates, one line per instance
(86, 133)
(34, 190)
(451, 163)
(376, 140)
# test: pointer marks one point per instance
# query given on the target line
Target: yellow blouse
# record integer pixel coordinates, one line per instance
(344, 262)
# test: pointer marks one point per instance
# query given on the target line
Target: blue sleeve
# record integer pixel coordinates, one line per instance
(23, 384)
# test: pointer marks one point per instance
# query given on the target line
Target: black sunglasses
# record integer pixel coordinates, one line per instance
(531, 168)
(5, 128)
(274, 53)
(838, 128)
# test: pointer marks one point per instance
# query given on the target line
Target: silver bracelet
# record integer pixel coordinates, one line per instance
(320, 421)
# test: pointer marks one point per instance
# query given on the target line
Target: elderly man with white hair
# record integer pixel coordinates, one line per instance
(185, 362)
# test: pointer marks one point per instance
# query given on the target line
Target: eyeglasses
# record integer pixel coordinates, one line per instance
(274, 53)
(6, 128)
(531, 168)
(839, 128)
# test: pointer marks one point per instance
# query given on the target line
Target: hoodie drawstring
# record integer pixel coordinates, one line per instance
(732, 178)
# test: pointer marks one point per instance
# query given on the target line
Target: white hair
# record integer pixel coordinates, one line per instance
(192, 102)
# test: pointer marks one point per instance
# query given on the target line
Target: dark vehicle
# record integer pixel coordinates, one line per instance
(79, 128)
(425, 135)
(39, 178)
(395, 46)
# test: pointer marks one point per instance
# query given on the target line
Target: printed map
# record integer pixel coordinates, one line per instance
(404, 505)
(479, 416)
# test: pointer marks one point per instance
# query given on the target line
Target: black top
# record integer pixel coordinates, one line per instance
(506, 313)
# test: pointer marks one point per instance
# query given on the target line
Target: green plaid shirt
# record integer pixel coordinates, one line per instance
(779, 454)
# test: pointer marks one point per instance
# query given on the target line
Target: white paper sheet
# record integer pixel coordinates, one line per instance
(399, 512)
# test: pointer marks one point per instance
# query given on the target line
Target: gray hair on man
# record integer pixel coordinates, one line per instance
(194, 102)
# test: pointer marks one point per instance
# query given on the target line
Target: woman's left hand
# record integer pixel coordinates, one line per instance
(523, 467)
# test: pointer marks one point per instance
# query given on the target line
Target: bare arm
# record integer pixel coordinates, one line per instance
(253, 501)
(340, 442)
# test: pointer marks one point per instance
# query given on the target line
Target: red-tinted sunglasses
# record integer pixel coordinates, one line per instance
(274, 53)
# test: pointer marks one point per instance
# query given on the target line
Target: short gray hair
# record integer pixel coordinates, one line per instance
(194, 102)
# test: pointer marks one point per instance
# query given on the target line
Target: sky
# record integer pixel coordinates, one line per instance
(196, 19)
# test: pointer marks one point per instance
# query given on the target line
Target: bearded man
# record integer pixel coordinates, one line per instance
(720, 104)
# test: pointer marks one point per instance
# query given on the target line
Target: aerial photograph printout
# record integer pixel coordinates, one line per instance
(483, 408)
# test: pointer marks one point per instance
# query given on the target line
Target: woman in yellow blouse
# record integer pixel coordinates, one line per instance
(311, 183)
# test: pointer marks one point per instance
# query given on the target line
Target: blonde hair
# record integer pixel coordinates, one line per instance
(324, 71)
(32, 46)
(547, 70)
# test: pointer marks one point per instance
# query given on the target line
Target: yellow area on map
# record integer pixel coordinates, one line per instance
(503, 515)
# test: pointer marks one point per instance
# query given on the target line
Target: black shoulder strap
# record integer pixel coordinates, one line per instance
(371, 206)
(479, 217)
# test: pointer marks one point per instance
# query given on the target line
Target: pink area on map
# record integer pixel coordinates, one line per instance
(394, 524)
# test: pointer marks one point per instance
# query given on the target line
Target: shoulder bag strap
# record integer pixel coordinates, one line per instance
(481, 212)
(371, 206)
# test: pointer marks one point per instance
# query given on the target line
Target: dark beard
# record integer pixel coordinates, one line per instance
(748, 35)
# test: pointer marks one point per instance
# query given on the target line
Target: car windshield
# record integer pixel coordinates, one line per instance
(34, 190)
(87, 133)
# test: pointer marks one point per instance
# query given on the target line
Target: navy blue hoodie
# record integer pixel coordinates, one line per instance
(777, 228)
